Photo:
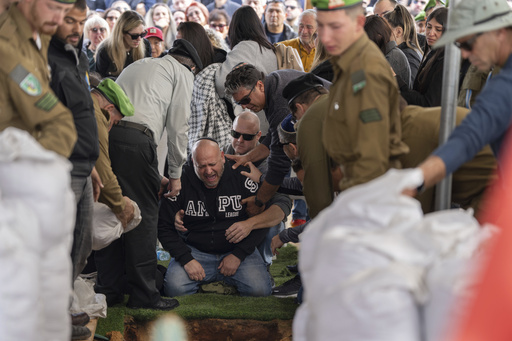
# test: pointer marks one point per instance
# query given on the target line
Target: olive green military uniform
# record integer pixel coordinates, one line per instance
(362, 130)
(420, 131)
(26, 100)
(473, 83)
(317, 184)
(111, 193)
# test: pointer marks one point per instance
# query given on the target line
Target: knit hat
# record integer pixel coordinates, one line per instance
(115, 95)
(331, 5)
(476, 16)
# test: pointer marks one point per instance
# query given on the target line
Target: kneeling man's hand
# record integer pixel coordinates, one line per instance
(238, 231)
(229, 265)
(195, 270)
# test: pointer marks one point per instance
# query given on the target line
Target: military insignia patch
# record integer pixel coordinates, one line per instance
(26, 80)
(358, 81)
(370, 115)
(47, 102)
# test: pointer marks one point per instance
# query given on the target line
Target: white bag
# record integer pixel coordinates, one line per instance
(86, 300)
(107, 227)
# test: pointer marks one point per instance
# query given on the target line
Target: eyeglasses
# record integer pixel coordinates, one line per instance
(218, 25)
(101, 29)
(247, 137)
(136, 36)
(468, 44)
(247, 98)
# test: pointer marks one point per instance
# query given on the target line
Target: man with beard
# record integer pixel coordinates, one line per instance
(221, 239)
(26, 100)
(305, 42)
(69, 80)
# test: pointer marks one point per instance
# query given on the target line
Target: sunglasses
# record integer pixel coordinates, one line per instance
(247, 137)
(468, 44)
(218, 25)
(101, 29)
(136, 36)
(247, 98)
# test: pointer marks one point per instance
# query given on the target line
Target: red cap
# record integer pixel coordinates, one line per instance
(155, 32)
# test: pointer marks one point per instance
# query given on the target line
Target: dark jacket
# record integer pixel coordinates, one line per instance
(287, 34)
(427, 90)
(70, 83)
(413, 57)
(105, 66)
(207, 225)
(276, 109)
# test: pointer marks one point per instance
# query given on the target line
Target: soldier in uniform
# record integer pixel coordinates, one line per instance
(26, 100)
(362, 131)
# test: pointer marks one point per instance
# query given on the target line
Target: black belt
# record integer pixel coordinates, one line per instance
(137, 126)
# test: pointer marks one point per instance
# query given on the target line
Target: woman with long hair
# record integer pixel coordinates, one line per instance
(160, 15)
(248, 44)
(125, 45)
(322, 66)
(380, 33)
(427, 87)
(111, 15)
(195, 34)
(96, 30)
(404, 34)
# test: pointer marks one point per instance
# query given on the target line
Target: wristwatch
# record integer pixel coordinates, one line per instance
(258, 202)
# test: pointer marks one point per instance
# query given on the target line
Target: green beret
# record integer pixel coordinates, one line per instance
(115, 95)
(330, 5)
(420, 16)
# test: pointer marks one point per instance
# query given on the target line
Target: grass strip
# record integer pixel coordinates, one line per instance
(203, 306)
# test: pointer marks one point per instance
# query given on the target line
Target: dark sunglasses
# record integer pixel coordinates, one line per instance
(101, 29)
(136, 36)
(218, 25)
(247, 137)
(468, 44)
(247, 98)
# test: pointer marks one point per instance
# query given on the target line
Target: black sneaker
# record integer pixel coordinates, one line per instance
(289, 288)
(293, 268)
(80, 333)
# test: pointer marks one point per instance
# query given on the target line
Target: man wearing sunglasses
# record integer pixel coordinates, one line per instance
(252, 90)
(483, 32)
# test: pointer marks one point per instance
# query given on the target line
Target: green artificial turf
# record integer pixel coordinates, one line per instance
(203, 306)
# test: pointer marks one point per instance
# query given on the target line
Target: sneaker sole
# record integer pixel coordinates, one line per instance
(285, 295)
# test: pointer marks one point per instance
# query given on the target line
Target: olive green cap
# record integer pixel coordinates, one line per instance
(115, 95)
(331, 5)
(420, 16)
(432, 4)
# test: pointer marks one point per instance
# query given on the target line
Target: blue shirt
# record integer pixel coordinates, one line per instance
(487, 123)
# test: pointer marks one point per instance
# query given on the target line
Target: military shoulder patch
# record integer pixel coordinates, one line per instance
(26, 80)
(370, 115)
(358, 81)
(47, 102)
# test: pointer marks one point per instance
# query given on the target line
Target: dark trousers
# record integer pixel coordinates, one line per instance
(134, 161)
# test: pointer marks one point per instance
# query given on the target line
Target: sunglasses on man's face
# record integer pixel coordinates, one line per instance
(468, 44)
(247, 98)
(136, 36)
(247, 137)
(101, 29)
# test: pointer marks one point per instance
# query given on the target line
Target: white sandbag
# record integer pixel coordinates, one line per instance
(86, 300)
(376, 304)
(40, 179)
(19, 289)
(107, 227)
(348, 244)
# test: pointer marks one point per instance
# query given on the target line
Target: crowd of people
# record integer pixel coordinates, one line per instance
(252, 103)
